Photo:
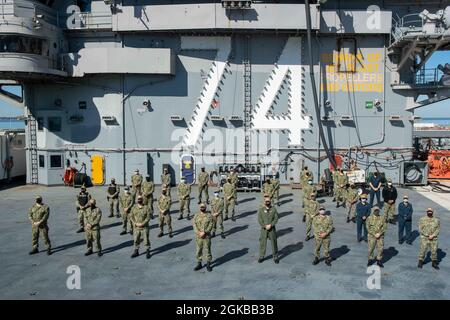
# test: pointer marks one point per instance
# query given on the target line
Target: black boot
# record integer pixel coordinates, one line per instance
(80, 230)
(131, 232)
(369, 262)
(49, 252)
(222, 235)
(226, 218)
(348, 220)
(233, 218)
(189, 216)
(148, 255)
(337, 204)
(307, 238)
(180, 217)
(260, 260)
(315, 261)
(434, 264)
(34, 251)
(111, 216)
(123, 232)
(170, 234)
(135, 253)
(380, 264)
(117, 215)
(213, 234)
(208, 266)
(420, 264)
(100, 253)
(304, 218)
(88, 253)
(276, 260)
(198, 266)
(160, 234)
(328, 261)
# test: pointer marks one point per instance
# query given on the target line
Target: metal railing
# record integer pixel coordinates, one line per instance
(409, 24)
(428, 77)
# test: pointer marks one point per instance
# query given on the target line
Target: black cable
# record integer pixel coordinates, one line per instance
(314, 89)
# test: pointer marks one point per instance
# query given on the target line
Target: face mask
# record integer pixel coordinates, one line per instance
(309, 182)
(216, 195)
(389, 184)
(322, 212)
(405, 201)
(267, 203)
(377, 213)
(39, 201)
(92, 206)
(430, 214)
(364, 200)
(140, 201)
(164, 193)
(203, 209)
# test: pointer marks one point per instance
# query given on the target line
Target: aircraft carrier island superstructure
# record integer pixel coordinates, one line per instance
(269, 85)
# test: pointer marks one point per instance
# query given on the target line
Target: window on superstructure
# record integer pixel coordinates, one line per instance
(21, 44)
(40, 123)
(54, 124)
(41, 161)
(55, 161)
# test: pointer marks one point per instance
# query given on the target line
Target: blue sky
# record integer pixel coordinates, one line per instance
(436, 110)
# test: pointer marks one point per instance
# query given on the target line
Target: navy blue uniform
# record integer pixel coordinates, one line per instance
(404, 218)
(376, 182)
(362, 210)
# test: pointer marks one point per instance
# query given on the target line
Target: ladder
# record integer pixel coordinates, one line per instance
(247, 101)
(33, 149)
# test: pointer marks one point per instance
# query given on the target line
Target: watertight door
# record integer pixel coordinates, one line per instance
(188, 168)
(98, 170)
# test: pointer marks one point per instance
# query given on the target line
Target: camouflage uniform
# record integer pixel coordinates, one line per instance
(140, 215)
(268, 216)
(351, 197)
(92, 217)
(429, 226)
(268, 189)
(164, 204)
(311, 211)
(166, 179)
(113, 192)
(82, 205)
(148, 187)
(307, 191)
(229, 191)
(136, 183)
(217, 205)
(322, 224)
(203, 179)
(234, 181)
(375, 224)
(39, 213)
(184, 196)
(203, 222)
(334, 176)
(127, 203)
(341, 181)
(305, 175)
(276, 189)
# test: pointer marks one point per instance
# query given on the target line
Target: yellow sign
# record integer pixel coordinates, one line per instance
(352, 73)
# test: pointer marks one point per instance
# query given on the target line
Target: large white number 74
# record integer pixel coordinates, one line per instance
(288, 67)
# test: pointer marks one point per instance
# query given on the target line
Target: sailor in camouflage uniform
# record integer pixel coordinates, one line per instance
(148, 187)
(217, 205)
(229, 191)
(323, 226)
(164, 203)
(38, 216)
(140, 217)
(136, 182)
(82, 204)
(92, 217)
(112, 196)
(267, 219)
(276, 190)
(429, 228)
(311, 210)
(203, 180)
(351, 197)
(126, 202)
(307, 191)
(305, 175)
(267, 188)
(184, 196)
(376, 228)
(203, 224)
(341, 182)
(166, 181)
